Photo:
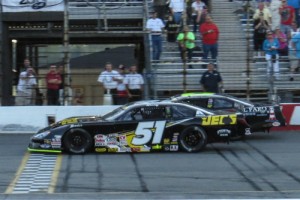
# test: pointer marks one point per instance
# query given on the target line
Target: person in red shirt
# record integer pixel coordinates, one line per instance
(53, 80)
(287, 17)
(210, 37)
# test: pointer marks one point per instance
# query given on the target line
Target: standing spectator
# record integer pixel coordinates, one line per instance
(109, 79)
(287, 17)
(26, 86)
(274, 8)
(160, 8)
(211, 80)
(186, 44)
(270, 46)
(296, 5)
(197, 7)
(121, 88)
(134, 83)
(260, 29)
(282, 39)
(210, 37)
(53, 80)
(155, 26)
(172, 29)
(177, 8)
(295, 64)
(266, 13)
(294, 61)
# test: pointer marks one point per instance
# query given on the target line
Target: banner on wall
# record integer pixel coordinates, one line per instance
(32, 5)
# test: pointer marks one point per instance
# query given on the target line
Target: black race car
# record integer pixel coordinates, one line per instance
(143, 126)
(259, 116)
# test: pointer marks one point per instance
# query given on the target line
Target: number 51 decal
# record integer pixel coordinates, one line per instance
(146, 130)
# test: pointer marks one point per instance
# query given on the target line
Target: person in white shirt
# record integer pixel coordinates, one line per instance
(155, 26)
(121, 88)
(197, 7)
(135, 84)
(109, 79)
(177, 8)
(26, 85)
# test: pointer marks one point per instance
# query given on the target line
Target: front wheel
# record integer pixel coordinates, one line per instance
(77, 141)
(192, 139)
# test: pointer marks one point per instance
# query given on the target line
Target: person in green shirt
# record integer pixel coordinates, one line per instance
(186, 44)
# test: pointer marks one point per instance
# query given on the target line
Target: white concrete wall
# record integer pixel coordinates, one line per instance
(29, 119)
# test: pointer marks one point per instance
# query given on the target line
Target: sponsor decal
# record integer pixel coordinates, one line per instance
(157, 147)
(135, 149)
(47, 141)
(224, 132)
(113, 135)
(112, 141)
(76, 125)
(247, 131)
(69, 121)
(219, 120)
(166, 141)
(173, 147)
(100, 140)
(175, 137)
(167, 147)
(123, 140)
(100, 150)
(256, 109)
(45, 146)
(112, 150)
(199, 113)
(276, 123)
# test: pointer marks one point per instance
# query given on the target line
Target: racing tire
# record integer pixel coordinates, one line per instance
(192, 139)
(77, 141)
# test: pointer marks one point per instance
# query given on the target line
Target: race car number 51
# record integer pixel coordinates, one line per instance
(146, 130)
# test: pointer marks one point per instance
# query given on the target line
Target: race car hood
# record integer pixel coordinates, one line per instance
(78, 119)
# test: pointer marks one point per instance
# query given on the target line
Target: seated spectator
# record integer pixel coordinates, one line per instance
(283, 45)
(186, 44)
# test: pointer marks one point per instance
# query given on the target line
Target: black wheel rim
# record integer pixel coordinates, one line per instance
(77, 141)
(193, 138)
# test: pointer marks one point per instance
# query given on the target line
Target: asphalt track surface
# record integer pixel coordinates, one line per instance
(262, 166)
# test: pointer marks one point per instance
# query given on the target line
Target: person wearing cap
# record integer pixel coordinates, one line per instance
(109, 79)
(271, 46)
(211, 80)
(121, 88)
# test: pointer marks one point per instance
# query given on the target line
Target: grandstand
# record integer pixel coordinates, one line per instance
(123, 22)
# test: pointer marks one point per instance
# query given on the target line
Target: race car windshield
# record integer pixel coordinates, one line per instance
(113, 113)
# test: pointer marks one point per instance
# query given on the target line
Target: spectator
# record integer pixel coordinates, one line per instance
(109, 79)
(160, 8)
(266, 13)
(172, 29)
(26, 65)
(134, 83)
(198, 8)
(274, 8)
(282, 39)
(26, 86)
(155, 26)
(260, 29)
(287, 17)
(210, 37)
(294, 61)
(211, 80)
(53, 80)
(121, 88)
(177, 8)
(295, 42)
(186, 44)
(296, 5)
(270, 46)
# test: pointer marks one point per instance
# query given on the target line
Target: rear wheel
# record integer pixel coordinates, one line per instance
(77, 141)
(192, 139)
